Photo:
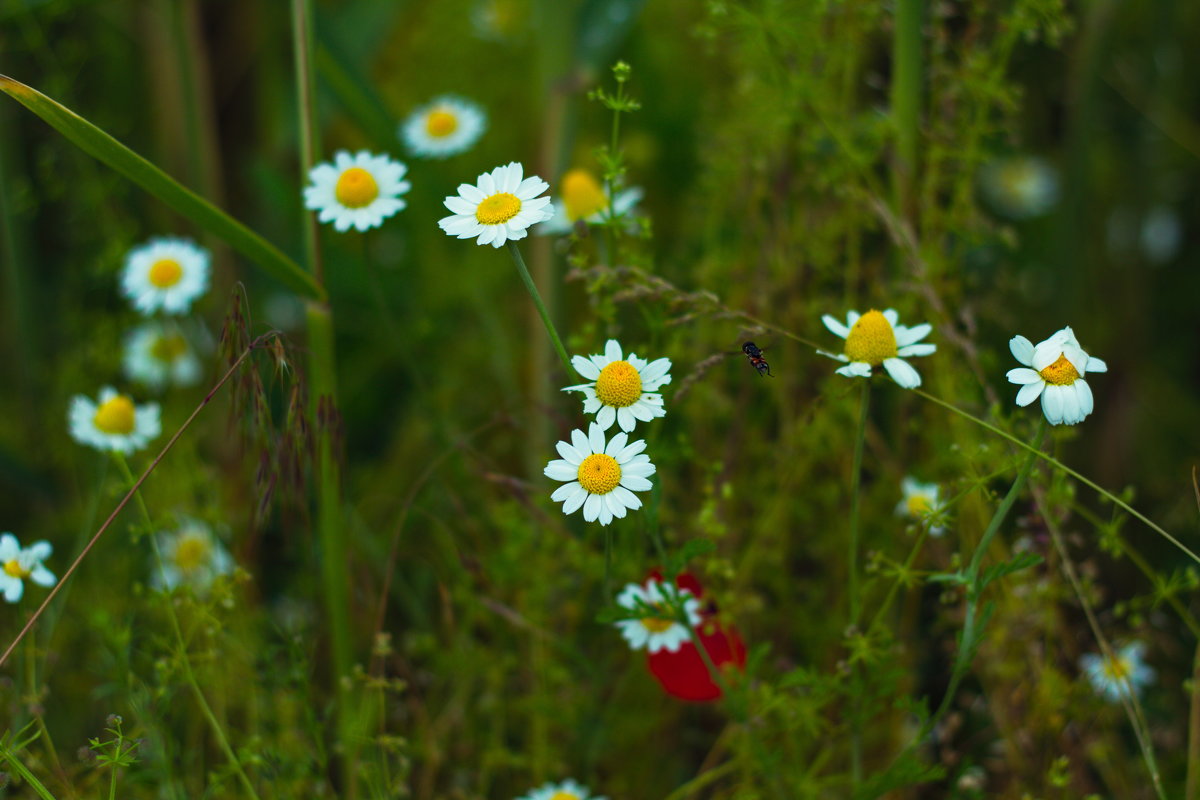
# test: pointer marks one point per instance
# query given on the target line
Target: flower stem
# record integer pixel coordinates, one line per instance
(541, 308)
(855, 486)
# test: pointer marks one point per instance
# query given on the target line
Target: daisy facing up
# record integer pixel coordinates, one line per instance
(443, 127)
(600, 477)
(114, 423)
(499, 207)
(359, 190)
(919, 501)
(1054, 370)
(18, 564)
(876, 339)
(660, 632)
(582, 197)
(165, 274)
(622, 390)
(158, 354)
(1116, 677)
(192, 556)
(567, 790)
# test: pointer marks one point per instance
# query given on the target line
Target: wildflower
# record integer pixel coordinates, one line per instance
(584, 198)
(920, 501)
(443, 127)
(17, 564)
(499, 20)
(567, 790)
(1059, 364)
(1020, 187)
(602, 477)
(875, 339)
(500, 206)
(192, 556)
(360, 190)
(165, 273)
(1117, 676)
(114, 423)
(621, 389)
(157, 354)
(660, 632)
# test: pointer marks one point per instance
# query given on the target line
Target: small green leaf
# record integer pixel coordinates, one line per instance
(1019, 562)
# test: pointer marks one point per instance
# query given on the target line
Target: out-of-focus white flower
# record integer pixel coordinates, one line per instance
(359, 190)
(115, 423)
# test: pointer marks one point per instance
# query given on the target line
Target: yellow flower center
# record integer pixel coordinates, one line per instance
(191, 553)
(440, 124)
(356, 188)
(582, 194)
(619, 385)
(498, 209)
(165, 273)
(1060, 373)
(168, 348)
(599, 474)
(115, 415)
(1117, 669)
(656, 624)
(13, 569)
(871, 340)
(564, 796)
(918, 504)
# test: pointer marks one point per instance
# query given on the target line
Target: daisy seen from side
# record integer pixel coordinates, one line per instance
(499, 207)
(877, 339)
(1116, 677)
(158, 354)
(113, 422)
(192, 556)
(583, 197)
(622, 389)
(1054, 370)
(357, 190)
(600, 476)
(919, 501)
(443, 127)
(661, 631)
(18, 564)
(565, 790)
(165, 274)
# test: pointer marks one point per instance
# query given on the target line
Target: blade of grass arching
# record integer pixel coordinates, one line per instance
(95, 142)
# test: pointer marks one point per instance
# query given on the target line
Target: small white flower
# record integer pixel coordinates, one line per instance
(1058, 365)
(1117, 677)
(875, 339)
(500, 206)
(165, 273)
(582, 197)
(601, 477)
(360, 190)
(157, 354)
(500, 20)
(621, 389)
(1020, 187)
(443, 127)
(567, 790)
(658, 632)
(192, 556)
(115, 423)
(920, 501)
(17, 564)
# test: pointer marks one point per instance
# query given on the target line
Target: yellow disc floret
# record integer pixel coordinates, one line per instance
(13, 569)
(191, 553)
(655, 624)
(582, 194)
(440, 124)
(115, 416)
(871, 340)
(1117, 669)
(599, 474)
(1061, 373)
(564, 796)
(165, 273)
(168, 348)
(619, 385)
(498, 209)
(918, 504)
(356, 188)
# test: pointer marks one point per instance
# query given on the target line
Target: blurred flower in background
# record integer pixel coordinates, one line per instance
(1115, 677)
(359, 191)
(583, 197)
(659, 632)
(567, 790)
(919, 502)
(113, 423)
(443, 127)
(158, 354)
(166, 274)
(18, 564)
(1019, 187)
(192, 556)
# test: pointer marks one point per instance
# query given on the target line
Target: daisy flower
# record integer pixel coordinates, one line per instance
(360, 190)
(114, 423)
(17, 564)
(443, 127)
(1058, 365)
(157, 354)
(500, 206)
(1020, 187)
(920, 500)
(585, 198)
(165, 273)
(192, 556)
(875, 339)
(601, 477)
(621, 389)
(567, 790)
(656, 633)
(1116, 677)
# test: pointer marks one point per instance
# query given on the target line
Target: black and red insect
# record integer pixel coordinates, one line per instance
(755, 354)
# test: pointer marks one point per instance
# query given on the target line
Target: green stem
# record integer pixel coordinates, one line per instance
(906, 100)
(541, 308)
(310, 143)
(856, 736)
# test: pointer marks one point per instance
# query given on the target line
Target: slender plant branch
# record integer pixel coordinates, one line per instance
(541, 307)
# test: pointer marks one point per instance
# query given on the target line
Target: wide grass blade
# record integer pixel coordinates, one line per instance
(95, 142)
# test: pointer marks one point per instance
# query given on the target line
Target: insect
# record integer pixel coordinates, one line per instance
(755, 354)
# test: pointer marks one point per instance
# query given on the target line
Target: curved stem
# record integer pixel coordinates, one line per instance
(541, 307)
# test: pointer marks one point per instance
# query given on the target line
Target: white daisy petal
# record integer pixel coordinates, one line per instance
(1096, 365)
(1022, 349)
(1052, 404)
(561, 471)
(1030, 392)
(913, 335)
(835, 327)
(902, 372)
(1023, 376)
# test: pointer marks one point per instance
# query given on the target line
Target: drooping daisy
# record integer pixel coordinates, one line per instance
(500, 206)
(875, 339)
(583, 197)
(165, 273)
(1020, 187)
(443, 127)
(114, 423)
(660, 632)
(567, 790)
(360, 190)
(1117, 677)
(1058, 365)
(18, 564)
(157, 354)
(623, 390)
(919, 501)
(192, 556)
(601, 476)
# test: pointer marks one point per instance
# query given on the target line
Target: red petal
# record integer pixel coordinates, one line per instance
(683, 673)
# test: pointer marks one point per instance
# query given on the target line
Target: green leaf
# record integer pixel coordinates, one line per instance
(98, 144)
(1018, 563)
